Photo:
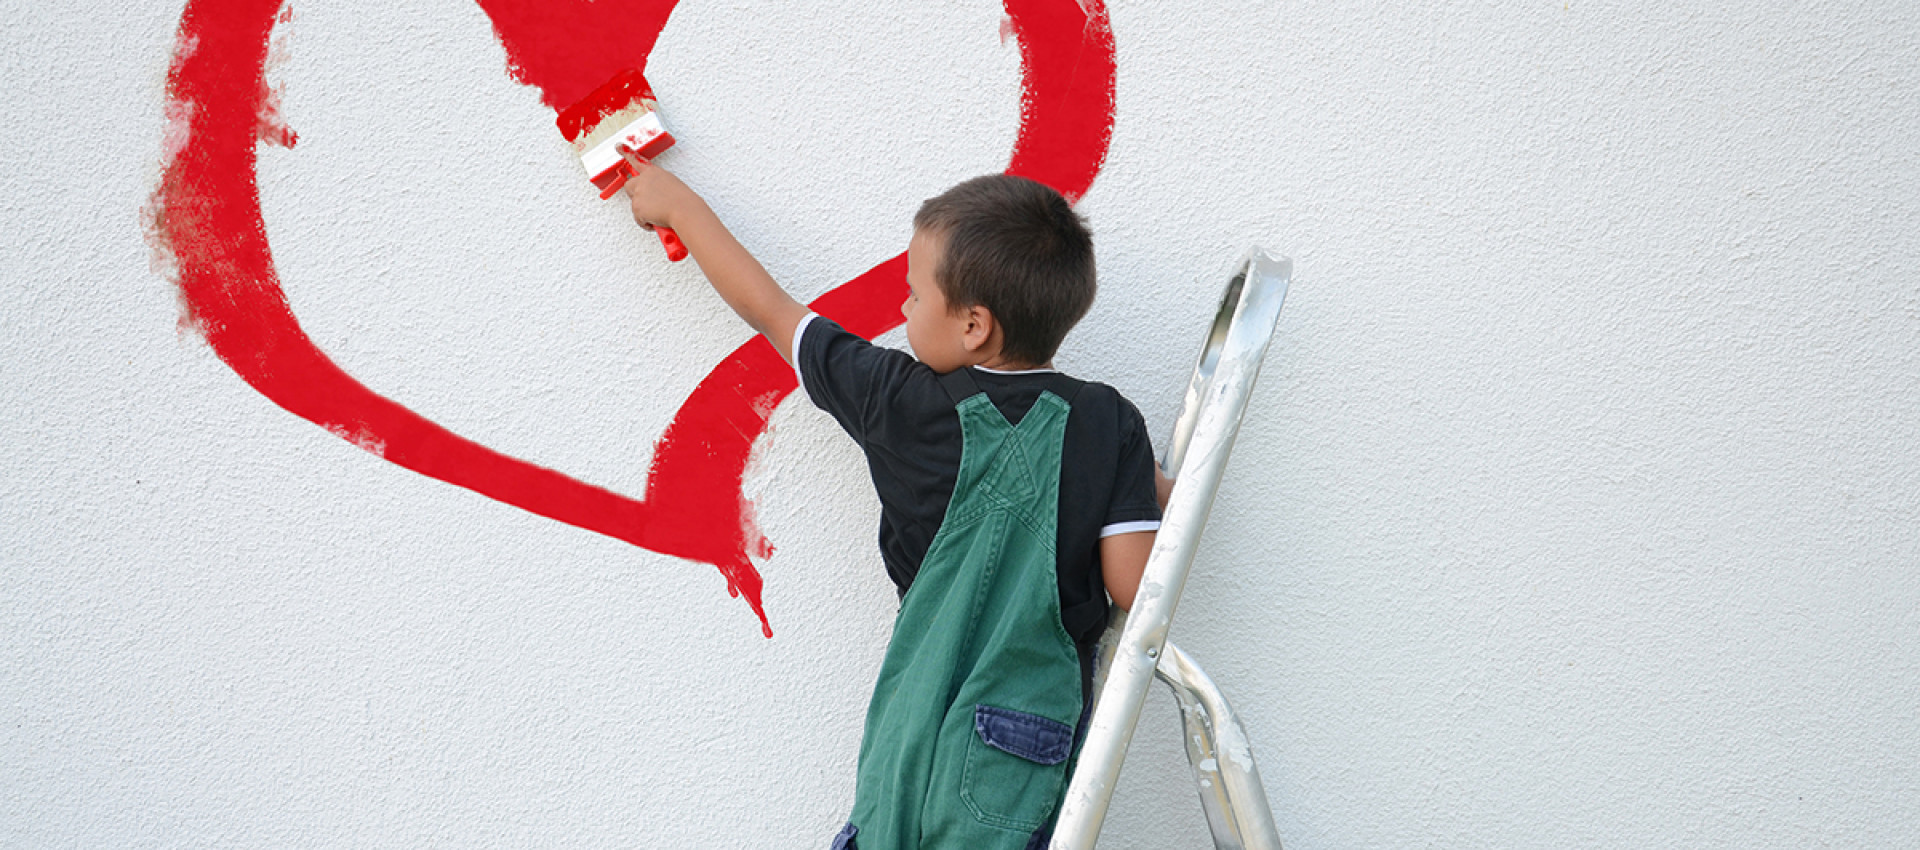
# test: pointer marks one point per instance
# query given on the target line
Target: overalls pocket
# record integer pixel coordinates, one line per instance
(1016, 767)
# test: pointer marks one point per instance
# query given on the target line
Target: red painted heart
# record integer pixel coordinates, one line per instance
(206, 215)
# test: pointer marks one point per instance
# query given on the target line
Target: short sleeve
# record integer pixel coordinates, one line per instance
(845, 375)
(1135, 505)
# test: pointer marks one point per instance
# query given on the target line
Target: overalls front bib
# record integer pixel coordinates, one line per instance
(971, 725)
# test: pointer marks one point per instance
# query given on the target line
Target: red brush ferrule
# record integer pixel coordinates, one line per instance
(610, 180)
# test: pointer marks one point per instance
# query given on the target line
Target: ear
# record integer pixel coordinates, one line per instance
(980, 328)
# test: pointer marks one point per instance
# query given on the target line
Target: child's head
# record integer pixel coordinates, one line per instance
(1011, 246)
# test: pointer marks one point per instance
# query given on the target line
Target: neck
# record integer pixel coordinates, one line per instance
(1002, 364)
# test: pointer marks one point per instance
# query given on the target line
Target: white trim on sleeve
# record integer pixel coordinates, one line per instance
(1130, 527)
(799, 333)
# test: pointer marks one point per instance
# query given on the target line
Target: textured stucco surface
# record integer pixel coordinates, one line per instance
(1578, 505)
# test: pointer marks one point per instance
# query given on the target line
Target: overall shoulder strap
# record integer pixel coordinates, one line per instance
(960, 385)
(1079, 389)
(1090, 615)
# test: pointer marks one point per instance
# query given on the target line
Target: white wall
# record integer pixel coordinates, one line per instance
(1578, 506)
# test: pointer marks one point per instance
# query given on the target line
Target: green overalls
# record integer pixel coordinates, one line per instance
(971, 726)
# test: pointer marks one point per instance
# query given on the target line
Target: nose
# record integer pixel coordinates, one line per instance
(903, 306)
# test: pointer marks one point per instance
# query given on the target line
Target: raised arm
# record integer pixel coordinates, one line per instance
(659, 199)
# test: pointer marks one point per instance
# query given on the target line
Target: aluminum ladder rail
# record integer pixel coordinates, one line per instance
(1135, 647)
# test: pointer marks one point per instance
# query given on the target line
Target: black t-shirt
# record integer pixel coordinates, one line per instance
(895, 409)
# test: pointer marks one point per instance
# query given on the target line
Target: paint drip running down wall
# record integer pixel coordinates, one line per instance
(206, 224)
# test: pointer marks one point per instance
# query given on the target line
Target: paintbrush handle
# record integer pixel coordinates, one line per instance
(676, 250)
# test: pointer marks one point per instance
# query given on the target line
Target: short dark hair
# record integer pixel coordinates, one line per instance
(1016, 247)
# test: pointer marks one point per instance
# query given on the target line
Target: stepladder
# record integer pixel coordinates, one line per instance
(1135, 650)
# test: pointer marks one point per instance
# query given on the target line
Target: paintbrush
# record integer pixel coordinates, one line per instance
(622, 112)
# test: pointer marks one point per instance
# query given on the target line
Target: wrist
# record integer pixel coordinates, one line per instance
(689, 214)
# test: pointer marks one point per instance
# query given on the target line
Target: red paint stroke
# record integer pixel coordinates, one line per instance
(568, 48)
(206, 217)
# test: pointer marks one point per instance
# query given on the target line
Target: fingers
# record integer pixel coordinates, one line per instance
(636, 204)
(653, 193)
(631, 155)
(641, 167)
(636, 165)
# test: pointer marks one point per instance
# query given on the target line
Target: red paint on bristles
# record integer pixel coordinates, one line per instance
(612, 96)
(655, 146)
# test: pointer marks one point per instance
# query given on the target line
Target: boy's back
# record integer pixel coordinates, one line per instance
(996, 488)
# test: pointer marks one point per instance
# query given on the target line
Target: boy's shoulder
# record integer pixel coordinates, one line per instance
(833, 363)
(869, 387)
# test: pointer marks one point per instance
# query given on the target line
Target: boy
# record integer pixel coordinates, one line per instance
(1014, 499)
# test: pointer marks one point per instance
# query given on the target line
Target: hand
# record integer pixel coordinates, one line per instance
(656, 197)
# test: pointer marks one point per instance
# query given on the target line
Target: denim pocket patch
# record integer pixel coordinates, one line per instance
(1029, 736)
(1016, 767)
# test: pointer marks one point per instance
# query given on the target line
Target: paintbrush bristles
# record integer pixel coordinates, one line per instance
(616, 94)
(638, 125)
